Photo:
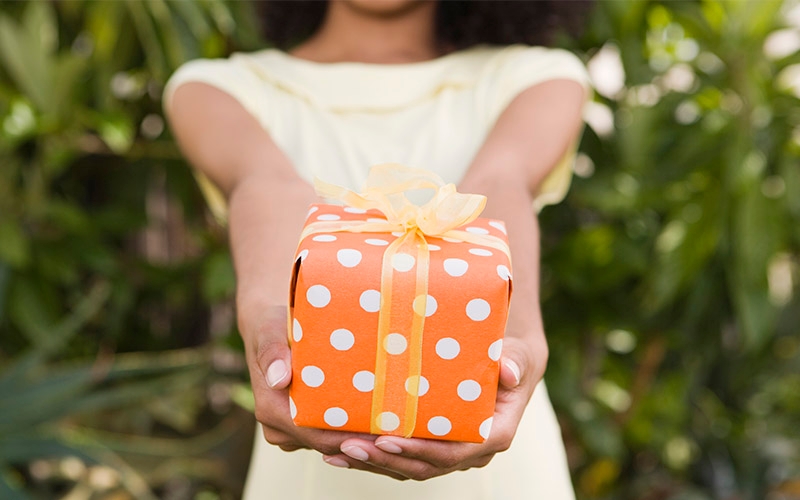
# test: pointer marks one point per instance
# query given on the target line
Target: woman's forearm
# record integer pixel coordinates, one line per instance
(509, 200)
(266, 217)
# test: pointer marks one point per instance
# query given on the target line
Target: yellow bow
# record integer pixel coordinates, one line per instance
(386, 189)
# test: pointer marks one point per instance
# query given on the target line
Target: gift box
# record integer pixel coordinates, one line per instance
(396, 314)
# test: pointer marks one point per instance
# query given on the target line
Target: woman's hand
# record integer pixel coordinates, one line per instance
(269, 360)
(269, 363)
(521, 368)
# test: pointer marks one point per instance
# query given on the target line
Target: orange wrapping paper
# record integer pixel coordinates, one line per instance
(335, 304)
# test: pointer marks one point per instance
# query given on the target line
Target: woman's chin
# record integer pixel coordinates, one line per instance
(383, 7)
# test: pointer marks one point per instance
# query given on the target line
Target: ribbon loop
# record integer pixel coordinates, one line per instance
(386, 189)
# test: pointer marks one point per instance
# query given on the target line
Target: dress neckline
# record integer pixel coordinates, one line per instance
(436, 61)
(349, 86)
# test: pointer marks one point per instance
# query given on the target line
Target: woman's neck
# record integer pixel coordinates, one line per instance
(351, 34)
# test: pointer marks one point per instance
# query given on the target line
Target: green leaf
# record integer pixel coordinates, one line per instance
(33, 308)
(5, 275)
(14, 244)
(31, 394)
(757, 235)
(117, 131)
(36, 402)
(148, 38)
(28, 68)
(102, 23)
(168, 29)
(192, 14)
(69, 71)
(21, 120)
(10, 489)
(39, 20)
(683, 249)
(22, 449)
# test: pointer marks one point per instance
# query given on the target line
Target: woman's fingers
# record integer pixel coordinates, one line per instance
(440, 454)
(422, 459)
(346, 462)
(366, 456)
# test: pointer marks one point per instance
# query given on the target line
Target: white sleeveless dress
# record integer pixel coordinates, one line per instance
(335, 120)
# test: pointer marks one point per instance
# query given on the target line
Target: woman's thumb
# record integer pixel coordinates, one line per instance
(510, 372)
(275, 363)
(514, 363)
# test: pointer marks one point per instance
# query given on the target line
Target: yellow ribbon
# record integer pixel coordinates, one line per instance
(385, 190)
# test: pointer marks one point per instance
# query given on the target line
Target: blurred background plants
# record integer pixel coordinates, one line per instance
(120, 368)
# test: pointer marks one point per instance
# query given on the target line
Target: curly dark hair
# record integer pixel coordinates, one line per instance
(459, 23)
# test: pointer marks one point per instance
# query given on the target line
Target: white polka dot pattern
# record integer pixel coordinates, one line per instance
(370, 301)
(318, 296)
(388, 421)
(312, 376)
(297, 330)
(428, 302)
(348, 257)
(325, 238)
(422, 387)
(448, 348)
(469, 390)
(481, 252)
(455, 267)
(486, 428)
(403, 262)
(364, 381)
(376, 242)
(342, 339)
(439, 426)
(335, 417)
(395, 343)
(498, 225)
(503, 272)
(496, 349)
(478, 309)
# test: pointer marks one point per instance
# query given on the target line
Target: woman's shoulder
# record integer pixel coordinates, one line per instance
(233, 66)
(239, 75)
(516, 65)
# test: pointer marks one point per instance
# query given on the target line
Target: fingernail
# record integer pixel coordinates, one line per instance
(336, 462)
(276, 372)
(355, 452)
(388, 447)
(514, 367)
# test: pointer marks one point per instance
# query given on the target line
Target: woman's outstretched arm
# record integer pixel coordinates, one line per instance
(267, 204)
(525, 144)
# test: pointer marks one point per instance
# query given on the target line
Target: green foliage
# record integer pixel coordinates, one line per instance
(105, 249)
(679, 244)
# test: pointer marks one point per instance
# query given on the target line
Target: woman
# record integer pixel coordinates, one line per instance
(378, 81)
